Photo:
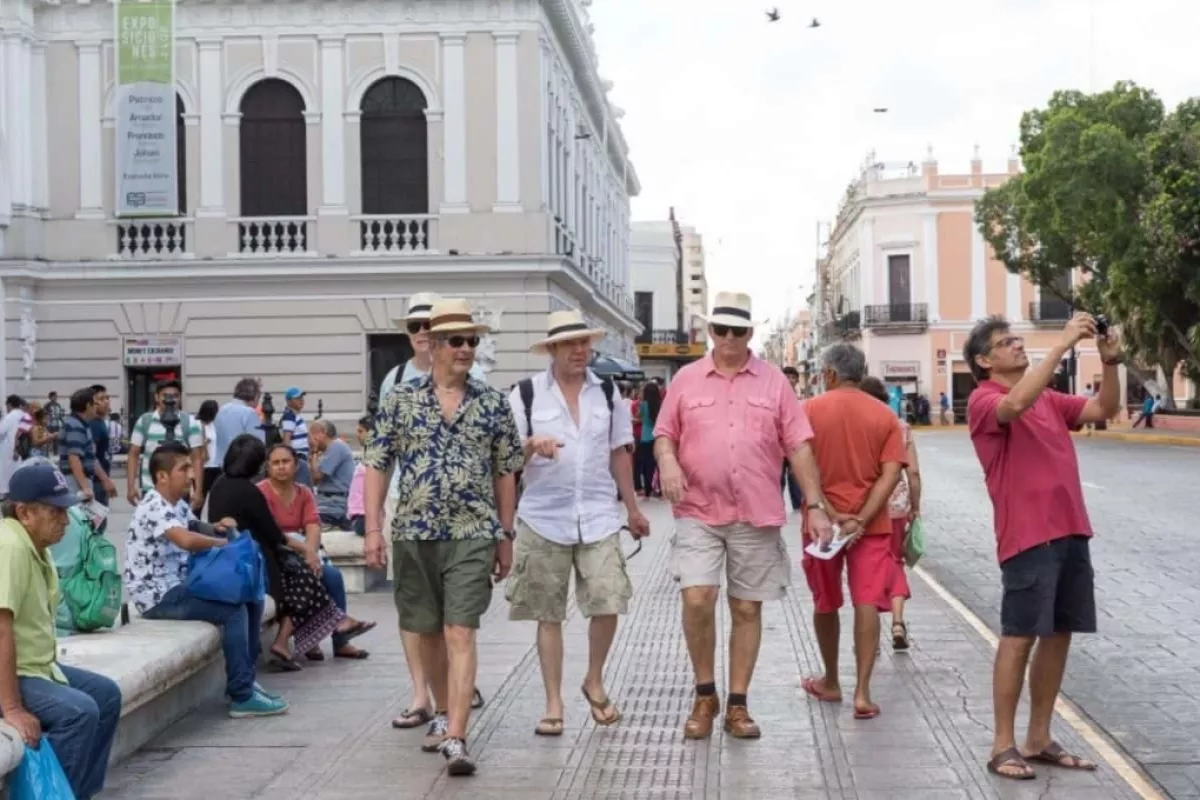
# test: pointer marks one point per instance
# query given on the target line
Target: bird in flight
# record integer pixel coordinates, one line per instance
(816, 23)
(773, 15)
(882, 110)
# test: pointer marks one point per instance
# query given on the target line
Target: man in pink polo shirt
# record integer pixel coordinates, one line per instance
(1021, 432)
(727, 424)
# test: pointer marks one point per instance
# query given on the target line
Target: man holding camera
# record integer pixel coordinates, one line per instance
(1021, 432)
(165, 423)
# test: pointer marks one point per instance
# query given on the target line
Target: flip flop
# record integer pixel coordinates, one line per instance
(476, 700)
(870, 712)
(315, 654)
(549, 726)
(601, 706)
(356, 630)
(281, 663)
(412, 718)
(1010, 758)
(1054, 755)
(357, 655)
(811, 686)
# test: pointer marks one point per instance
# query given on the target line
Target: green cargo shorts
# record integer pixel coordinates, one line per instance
(442, 583)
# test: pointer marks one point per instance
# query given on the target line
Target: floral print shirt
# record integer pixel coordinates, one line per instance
(153, 565)
(445, 470)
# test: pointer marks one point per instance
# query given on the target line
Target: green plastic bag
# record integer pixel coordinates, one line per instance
(914, 543)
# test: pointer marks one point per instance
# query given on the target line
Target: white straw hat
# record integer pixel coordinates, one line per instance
(453, 315)
(732, 309)
(565, 326)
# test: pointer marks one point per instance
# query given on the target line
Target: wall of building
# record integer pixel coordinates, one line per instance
(652, 254)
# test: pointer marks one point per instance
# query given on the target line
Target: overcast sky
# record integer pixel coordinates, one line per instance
(753, 130)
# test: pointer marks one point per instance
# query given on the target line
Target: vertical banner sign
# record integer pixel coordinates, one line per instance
(146, 170)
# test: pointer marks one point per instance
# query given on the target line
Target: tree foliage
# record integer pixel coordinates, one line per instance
(1111, 186)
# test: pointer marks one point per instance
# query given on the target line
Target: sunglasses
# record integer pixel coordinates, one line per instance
(417, 326)
(637, 542)
(721, 331)
(458, 341)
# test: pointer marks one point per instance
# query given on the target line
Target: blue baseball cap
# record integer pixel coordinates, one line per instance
(293, 392)
(41, 483)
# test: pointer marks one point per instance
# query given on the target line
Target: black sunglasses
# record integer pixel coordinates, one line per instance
(721, 331)
(416, 326)
(638, 542)
(458, 341)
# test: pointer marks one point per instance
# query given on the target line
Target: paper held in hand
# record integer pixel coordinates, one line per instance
(834, 547)
(97, 513)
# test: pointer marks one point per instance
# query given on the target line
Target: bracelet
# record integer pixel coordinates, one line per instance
(1113, 362)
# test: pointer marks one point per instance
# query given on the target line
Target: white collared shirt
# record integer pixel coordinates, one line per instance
(572, 499)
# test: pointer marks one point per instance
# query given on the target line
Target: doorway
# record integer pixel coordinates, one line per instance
(139, 390)
(962, 384)
(384, 351)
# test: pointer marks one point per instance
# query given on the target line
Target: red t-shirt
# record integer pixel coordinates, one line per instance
(635, 408)
(854, 435)
(1030, 466)
(291, 518)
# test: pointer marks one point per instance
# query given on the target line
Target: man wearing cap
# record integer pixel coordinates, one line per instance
(77, 711)
(149, 432)
(455, 445)
(410, 373)
(576, 431)
(294, 432)
(727, 424)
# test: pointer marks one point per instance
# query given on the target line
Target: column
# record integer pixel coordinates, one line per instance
(929, 244)
(866, 260)
(545, 136)
(508, 129)
(17, 92)
(1012, 298)
(40, 179)
(454, 137)
(978, 276)
(212, 130)
(91, 159)
(333, 128)
(3, 338)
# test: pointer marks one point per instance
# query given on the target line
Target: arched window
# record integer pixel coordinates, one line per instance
(395, 156)
(274, 168)
(151, 239)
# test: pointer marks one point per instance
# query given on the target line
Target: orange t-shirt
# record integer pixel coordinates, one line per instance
(854, 435)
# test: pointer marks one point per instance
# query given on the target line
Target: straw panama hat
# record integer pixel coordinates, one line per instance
(732, 309)
(453, 315)
(566, 326)
(419, 306)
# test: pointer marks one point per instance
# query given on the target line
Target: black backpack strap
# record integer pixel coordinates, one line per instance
(607, 385)
(525, 387)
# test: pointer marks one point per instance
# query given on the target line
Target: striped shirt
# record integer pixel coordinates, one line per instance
(76, 440)
(149, 433)
(291, 422)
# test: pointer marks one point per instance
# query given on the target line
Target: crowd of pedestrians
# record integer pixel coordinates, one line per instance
(437, 495)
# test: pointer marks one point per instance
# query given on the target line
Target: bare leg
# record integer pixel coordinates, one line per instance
(699, 629)
(828, 628)
(411, 643)
(434, 660)
(286, 629)
(1008, 676)
(601, 632)
(745, 635)
(866, 642)
(1045, 681)
(550, 655)
(898, 609)
(460, 647)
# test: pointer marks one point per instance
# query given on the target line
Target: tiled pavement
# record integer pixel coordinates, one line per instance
(929, 743)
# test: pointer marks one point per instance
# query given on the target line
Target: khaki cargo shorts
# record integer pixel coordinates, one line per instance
(442, 583)
(755, 560)
(541, 578)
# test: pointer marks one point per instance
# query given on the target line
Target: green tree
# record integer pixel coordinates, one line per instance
(1111, 186)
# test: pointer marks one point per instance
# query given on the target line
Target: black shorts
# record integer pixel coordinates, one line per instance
(1049, 589)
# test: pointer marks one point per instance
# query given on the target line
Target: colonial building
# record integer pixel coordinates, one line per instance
(670, 294)
(906, 273)
(334, 157)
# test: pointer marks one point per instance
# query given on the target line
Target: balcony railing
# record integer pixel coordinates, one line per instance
(1049, 311)
(152, 238)
(273, 236)
(663, 337)
(897, 314)
(395, 234)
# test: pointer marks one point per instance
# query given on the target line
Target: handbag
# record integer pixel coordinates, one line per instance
(234, 574)
(914, 542)
(40, 776)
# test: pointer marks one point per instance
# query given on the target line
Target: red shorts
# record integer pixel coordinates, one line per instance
(870, 571)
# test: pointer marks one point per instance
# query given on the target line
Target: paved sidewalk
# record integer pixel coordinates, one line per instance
(929, 743)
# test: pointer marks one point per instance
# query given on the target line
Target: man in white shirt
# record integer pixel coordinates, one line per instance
(10, 428)
(576, 430)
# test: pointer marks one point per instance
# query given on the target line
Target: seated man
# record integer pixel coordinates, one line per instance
(332, 473)
(77, 711)
(160, 537)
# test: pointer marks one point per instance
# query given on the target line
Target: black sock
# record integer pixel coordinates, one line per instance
(736, 700)
(706, 689)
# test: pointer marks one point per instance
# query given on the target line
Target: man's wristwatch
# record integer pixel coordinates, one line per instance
(508, 535)
(817, 506)
(1114, 361)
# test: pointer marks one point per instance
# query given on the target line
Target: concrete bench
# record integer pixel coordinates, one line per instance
(346, 551)
(12, 750)
(166, 669)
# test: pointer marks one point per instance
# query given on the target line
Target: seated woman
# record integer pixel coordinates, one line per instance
(305, 610)
(295, 511)
(157, 545)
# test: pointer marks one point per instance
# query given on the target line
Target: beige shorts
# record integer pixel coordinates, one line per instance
(755, 560)
(540, 581)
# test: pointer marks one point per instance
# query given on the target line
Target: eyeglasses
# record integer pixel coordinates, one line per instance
(721, 331)
(416, 326)
(458, 341)
(1008, 341)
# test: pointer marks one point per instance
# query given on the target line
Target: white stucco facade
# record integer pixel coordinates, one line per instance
(527, 209)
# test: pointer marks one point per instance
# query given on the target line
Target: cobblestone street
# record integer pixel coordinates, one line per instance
(1139, 679)
(930, 742)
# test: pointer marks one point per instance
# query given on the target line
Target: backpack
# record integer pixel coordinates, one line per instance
(89, 578)
(181, 430)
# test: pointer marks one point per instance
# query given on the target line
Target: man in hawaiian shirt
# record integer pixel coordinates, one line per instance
(456, 447)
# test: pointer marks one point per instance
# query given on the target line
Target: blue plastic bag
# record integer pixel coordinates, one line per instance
(233, 574)
(40, 776)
